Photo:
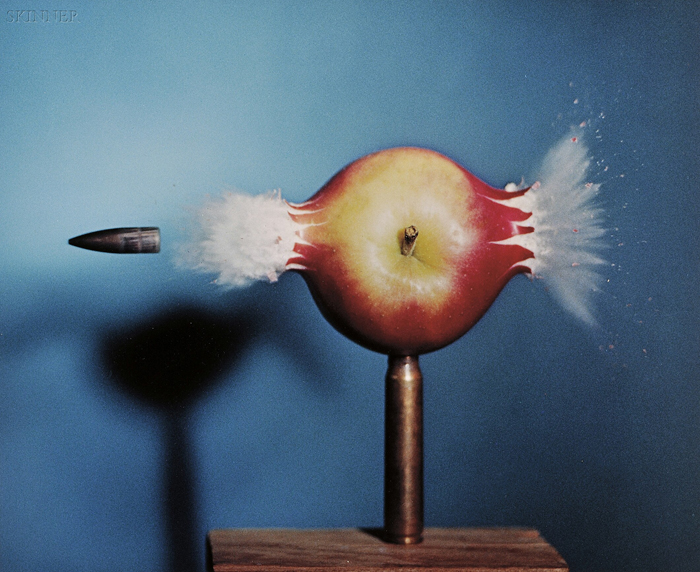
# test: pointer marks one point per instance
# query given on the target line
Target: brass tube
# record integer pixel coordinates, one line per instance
(403, 451)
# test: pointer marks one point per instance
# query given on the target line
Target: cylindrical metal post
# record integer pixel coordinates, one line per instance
(403, 451)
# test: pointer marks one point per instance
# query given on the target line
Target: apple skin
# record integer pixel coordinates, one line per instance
(349, 249)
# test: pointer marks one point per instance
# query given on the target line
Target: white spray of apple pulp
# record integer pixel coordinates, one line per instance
(568, 227)
(243, 238)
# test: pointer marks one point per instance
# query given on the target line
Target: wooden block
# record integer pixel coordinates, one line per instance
(354, 550)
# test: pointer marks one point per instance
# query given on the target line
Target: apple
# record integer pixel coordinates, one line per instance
(401, 249)
(404, 250)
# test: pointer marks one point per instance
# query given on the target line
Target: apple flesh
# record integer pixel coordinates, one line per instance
(399, 298)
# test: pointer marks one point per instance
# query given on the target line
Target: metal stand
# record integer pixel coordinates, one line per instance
(353, 550)
(403, 452)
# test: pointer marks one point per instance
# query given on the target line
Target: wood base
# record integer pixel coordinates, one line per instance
(354, 550)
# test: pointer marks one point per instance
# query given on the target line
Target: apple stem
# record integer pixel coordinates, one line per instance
(408, 244)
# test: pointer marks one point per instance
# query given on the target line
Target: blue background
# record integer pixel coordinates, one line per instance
(134, 110)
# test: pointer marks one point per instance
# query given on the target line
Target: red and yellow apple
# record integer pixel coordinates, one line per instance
(403, 250)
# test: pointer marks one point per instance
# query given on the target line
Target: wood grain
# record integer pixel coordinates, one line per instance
(354, 550)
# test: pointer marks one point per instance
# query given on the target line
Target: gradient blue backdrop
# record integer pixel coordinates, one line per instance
(125, 113)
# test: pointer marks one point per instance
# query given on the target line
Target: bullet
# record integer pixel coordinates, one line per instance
(132, 240)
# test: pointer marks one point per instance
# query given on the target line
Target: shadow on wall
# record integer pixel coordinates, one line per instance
(168, 362)
(174, 358)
